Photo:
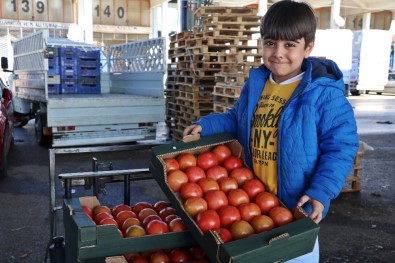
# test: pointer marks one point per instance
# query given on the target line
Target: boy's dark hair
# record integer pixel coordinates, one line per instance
(289, 20)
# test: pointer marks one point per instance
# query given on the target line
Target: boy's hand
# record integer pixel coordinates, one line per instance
(192, 130)
(318, 208)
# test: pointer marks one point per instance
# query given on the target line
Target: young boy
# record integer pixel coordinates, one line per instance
(296, 126)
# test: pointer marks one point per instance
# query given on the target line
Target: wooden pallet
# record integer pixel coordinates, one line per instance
(231, 26)
(211, 41)
(227, 32)
(353, 182)
(220, 18)
(229, 78)
(236, 11)
(181, 36)
(220, 108)
(211, 48)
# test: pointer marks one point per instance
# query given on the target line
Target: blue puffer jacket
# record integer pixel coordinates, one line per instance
(317, 139)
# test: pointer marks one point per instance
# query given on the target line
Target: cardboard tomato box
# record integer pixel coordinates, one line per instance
(87, 242)
(279, 244)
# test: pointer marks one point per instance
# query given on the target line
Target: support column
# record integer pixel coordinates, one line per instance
(85, 21)
(336, 20)
(262, 7)
(366, 21)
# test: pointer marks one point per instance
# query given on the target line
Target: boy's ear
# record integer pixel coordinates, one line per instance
(309, 48)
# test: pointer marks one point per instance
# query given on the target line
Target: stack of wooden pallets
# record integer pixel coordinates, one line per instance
(210, 64)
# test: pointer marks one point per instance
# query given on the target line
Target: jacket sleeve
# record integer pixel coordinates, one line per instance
(338, 143)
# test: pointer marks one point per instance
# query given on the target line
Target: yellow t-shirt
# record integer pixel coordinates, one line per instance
(264, 130)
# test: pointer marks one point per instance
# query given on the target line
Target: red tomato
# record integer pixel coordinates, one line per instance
(266, 201)
(241, 229)
(108, 221)
(215, 199)
(237, 197)
(224, 234)
(169, 218)
(195, 205)
(216, 172)
(157, 227)
(253, 187)
(262, 223)
(208, 220)
(189, 190)
(222, 151)
(281, 216)
(138, 259)
(179, 255)
(177, 225)
(159, 257)
(171, 164)
(195, 173)
(206, 160)
(167, 211)
(241, 174)
(175, 179)
(147, 219)
(208, 184)
(159, 205)
(99, 209)
(87, 210)
(226, 184)
(101, 216)
(186, 160)
(197, 252)
(140, 206)
(228, 215)
(135, 231)
(118, 208)
(248, 211)
(231, 163)
(132, 221)
(146, 212)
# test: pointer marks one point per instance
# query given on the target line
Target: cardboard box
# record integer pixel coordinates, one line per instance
(87, 242)
(281, 243)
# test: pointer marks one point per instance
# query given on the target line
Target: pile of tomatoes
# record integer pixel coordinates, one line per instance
(141, 219)
(194, 254)
(221, 194)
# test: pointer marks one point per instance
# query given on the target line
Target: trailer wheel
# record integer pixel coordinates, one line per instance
(39, 124)
(3, 169)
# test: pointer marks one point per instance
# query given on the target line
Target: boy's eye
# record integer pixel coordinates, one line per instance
(267, 43)
(291, 44)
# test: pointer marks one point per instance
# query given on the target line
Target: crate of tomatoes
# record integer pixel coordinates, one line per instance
(226, 208)
(95, 231)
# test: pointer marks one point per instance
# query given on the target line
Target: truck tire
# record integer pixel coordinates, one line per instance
(39, 124)
(355, 92)
(4, 154)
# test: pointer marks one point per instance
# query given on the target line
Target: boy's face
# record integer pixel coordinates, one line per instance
(284, 58)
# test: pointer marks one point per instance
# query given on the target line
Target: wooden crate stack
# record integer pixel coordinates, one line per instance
(353, 181)
(242, 26)
(210, 64)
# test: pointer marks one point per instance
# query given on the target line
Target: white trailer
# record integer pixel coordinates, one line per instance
(336, 44)
(371, 60)
(128, 108)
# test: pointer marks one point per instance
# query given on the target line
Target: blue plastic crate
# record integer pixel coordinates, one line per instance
(54, 89)
(88, 72)
(89, 89)
(93, 80)
(68, 52)
(88, 63)
(53, 62)
(69, 87)
(91, 54)
(68, 73)
(68, 62)
(53, 70)
(53, 52)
